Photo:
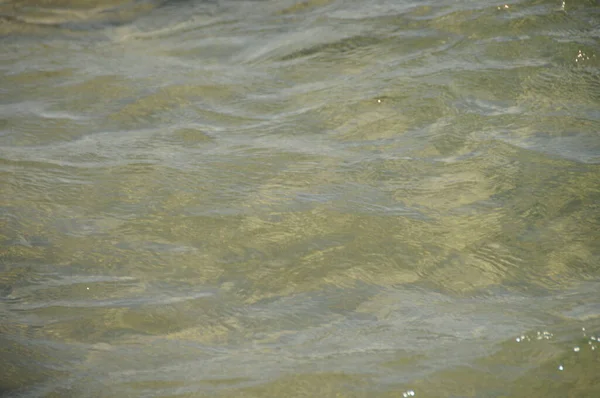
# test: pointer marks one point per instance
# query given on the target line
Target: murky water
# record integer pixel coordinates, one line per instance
(289, 198)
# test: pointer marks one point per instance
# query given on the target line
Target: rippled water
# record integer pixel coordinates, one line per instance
(289, 198)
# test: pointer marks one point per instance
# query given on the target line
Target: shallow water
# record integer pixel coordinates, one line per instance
(285, 198)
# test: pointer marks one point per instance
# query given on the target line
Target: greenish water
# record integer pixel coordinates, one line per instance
(284, 199)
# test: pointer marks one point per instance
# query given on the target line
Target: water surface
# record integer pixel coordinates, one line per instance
(299, 198)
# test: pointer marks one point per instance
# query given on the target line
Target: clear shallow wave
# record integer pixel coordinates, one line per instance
(286, 198)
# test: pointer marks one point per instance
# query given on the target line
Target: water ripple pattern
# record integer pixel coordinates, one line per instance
(293, 198)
